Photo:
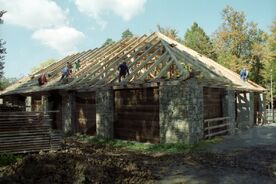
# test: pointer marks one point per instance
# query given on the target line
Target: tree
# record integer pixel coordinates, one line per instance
(2, 48)
(42, 65)
(270, 67)
(196, 39)
(243, 42)
(108, 41)
(169, 32)
(5, 82)
(127, 34)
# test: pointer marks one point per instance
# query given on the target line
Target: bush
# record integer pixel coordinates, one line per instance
(7, 159)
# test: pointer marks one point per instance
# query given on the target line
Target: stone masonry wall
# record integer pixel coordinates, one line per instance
(245, 109)
(68, 101)
(181, 112)
(104, 113)
(229, 109)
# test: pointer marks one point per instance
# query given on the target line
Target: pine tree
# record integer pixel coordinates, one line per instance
(196, 39)
(108, 41)
(127, 34)
(2, 48)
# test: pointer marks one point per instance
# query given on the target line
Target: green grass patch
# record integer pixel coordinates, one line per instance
(147, 147)
(7, 159)
(207, 143)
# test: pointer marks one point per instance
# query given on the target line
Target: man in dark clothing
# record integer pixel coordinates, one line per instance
(42, 79)
(123, 70)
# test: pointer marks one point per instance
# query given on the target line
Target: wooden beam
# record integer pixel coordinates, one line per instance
(135, 61)
(183, 72)
(99, 66)
(164, 69)
(135, 71)
(115, 63)
(162, 58)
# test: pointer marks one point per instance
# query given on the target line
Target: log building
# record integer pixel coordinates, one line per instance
(173, 94)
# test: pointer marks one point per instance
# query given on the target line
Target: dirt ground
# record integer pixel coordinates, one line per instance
(92, 163)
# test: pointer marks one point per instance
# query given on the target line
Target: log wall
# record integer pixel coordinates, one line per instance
(136, 115)
(23, 132)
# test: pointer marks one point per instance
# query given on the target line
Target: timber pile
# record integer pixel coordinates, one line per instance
(23, 132)
(8, 108)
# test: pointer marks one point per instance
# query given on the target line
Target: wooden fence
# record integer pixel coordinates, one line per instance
(216, 126)
(23, 132)
(270, 115)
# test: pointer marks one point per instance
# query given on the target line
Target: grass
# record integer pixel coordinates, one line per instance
(147, 147)
(7, 159)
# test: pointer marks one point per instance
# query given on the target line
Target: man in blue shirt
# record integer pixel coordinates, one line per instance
(65, 73)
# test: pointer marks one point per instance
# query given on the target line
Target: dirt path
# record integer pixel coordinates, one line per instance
(250, 159)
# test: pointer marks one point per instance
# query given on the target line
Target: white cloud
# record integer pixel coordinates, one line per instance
(63, 39)
(48, 21)
(33, 14)
(126, 9)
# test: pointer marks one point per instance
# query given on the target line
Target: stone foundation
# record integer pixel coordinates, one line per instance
(104, 113)
(229, 109)
(181, 112)
(68, 104)
(245, 109)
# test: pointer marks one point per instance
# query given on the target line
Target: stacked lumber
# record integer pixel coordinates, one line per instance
(23, 132)
(7, 108)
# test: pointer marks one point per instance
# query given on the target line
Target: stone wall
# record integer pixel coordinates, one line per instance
(181, 112)
(261, 108)
(68, 104)
(245, 109)
(104, 113)
(229, 109)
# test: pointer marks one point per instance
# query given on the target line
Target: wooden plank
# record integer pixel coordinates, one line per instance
(217, 126)
(216, 119)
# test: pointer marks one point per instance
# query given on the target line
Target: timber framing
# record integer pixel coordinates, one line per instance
(152, 60)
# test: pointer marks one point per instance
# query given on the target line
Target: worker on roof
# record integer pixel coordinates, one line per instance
(70, 67)
(66, 71)
(42, 79)
(243, 74)
(123, 70)
(77, 65)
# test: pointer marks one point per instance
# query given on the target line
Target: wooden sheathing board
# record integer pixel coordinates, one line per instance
(23, 132)
(136, 115)
(85, 113)
(55, 104)
(213, 108)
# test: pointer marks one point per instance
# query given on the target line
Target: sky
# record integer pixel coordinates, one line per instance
(38, 30)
